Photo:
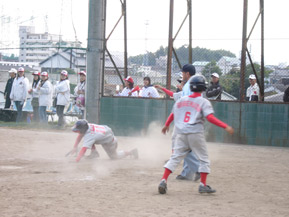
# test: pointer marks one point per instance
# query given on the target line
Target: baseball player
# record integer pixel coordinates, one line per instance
(97, 134)
(19, 92)
(148, 90)
(191, 163)
(189, 114)
(253, 90)
(128, 90)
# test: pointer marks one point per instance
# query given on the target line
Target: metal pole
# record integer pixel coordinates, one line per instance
(170, 45)
(104, 48)
(190, 31)
(94, 59)
(243, 54)
(262, 50)
(125, 39)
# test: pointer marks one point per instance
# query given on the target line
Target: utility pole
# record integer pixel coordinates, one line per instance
(94, 60)
(170, 45)
(243, 54)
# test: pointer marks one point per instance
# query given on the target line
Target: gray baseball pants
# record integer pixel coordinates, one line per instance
(185, 143)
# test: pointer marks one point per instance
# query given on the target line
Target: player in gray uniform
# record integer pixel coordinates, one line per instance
(98, 134)
(189, 114)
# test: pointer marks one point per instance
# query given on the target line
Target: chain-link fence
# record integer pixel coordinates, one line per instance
(216, 47)
(215, 51)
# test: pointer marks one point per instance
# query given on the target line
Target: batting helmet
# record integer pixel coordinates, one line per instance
(198, 83)
(80, 126)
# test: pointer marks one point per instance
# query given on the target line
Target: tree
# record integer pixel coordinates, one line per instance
(231, 81)
(211, 68)
(160, 52)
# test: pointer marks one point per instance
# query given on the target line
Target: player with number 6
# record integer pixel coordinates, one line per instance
(189, 114)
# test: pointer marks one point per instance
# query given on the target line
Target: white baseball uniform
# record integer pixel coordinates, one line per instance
(189, 117)
(126, 91)
(149, 91)
(253, 90)
(103, 135)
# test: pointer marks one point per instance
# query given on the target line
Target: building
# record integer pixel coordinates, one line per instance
(36, 47)
(228, 63)
(199, 66)
(69, 58)
(76, 59)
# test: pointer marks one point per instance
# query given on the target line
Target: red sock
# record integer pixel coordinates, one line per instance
(166, 174)
(204, 178)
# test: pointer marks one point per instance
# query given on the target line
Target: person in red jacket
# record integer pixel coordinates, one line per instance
(189, 114)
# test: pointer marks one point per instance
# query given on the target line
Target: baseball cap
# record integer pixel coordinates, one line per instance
(189, 68)
(21, 69)
(44, 74)
(64, 72)
(215, 75)
(13, 71)
(129, 79)
(82, 73)
(252, 76)
(36, 73)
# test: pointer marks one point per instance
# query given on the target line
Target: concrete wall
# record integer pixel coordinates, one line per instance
(254, 123)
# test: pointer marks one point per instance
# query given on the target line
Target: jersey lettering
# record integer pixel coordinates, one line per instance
(191, 104)
(97, 129)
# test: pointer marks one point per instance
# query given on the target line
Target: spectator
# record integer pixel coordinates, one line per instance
(286, 95)
(62, 91)
(253, 90)
(8, 87)
(215, 90)
(45, 96)
(128, 90)
(79, 93)
(34, 93)
(148, 90)
(19, 92)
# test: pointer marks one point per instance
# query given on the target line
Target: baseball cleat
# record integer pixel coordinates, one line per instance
(163, 187)
(180, 177)
(197, 176)
(134, 153)
(206, 189)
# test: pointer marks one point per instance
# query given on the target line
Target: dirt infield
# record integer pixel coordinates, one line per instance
(37, 180)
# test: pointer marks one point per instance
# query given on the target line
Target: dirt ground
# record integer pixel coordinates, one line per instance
(37, 180)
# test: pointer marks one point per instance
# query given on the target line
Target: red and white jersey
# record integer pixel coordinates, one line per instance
(149, 91)
(126, 91)
(253, 90)
(190, 112)
(97, 134)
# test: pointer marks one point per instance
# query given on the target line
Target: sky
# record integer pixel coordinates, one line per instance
(216, 24)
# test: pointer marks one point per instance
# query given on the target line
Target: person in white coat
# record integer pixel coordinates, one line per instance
(34, 93)
(45, 91)
(62, 91)
(79, 92)
(19, 92)
(148, 90)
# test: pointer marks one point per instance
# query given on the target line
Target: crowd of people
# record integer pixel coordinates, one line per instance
(43, 94)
